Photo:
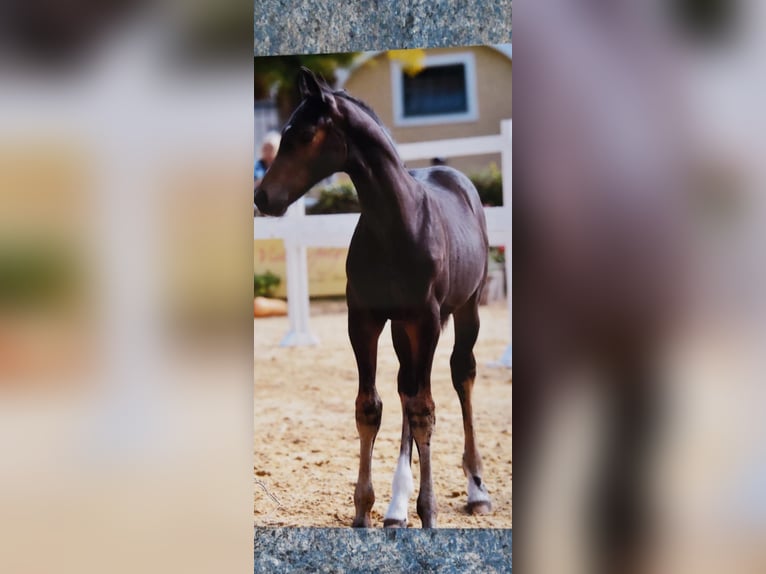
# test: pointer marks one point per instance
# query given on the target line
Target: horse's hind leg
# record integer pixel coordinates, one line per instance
(423, 336)
(463, 366)
(364, 330)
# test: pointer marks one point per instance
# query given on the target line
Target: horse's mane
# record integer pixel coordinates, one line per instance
(367, 109)
(370, 112)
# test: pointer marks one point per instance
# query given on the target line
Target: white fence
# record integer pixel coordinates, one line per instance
(299, 231)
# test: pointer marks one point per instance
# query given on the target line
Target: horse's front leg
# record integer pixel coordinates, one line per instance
(364, 329)
(402, 486)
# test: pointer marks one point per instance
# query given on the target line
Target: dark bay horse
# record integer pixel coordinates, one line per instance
(417, 256)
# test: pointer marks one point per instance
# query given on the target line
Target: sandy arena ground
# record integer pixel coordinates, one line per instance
(307, 447)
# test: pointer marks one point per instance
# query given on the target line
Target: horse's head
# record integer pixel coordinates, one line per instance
(312, 148)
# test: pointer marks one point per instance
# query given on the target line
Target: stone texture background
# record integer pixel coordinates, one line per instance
(390, 551)
(315, 26)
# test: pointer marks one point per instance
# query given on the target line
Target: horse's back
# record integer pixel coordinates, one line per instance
(444, 182)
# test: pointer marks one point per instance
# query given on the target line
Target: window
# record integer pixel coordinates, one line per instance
(443, 92)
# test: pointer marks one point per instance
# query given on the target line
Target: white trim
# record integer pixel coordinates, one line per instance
(469, 62)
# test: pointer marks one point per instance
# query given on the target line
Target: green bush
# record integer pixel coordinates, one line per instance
(265, 284)
(338, 199)
(34, 275)
(489, 184)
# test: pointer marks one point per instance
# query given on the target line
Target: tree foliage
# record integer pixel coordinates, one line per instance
(278, 75)
(281, 73)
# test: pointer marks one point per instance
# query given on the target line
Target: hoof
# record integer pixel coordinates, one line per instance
(394, 523)
(479, 507)
(362, 523)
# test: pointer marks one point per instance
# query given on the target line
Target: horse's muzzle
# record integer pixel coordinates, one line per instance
(261, 200)
(266, 207)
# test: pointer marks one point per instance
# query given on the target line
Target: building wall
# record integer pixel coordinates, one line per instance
(371, 82)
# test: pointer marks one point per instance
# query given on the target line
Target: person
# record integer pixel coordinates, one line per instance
(269, 150)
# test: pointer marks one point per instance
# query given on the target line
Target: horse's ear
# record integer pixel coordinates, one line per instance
(309, 85)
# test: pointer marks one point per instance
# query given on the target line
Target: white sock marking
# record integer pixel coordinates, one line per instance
(402, 488)
(476, 494)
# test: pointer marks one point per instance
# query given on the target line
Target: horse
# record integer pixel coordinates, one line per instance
(418, 255)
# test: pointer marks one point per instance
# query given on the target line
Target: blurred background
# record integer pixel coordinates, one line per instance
(125, 258)
(639, 286)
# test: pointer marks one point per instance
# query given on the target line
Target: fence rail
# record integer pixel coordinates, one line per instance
(299, 231)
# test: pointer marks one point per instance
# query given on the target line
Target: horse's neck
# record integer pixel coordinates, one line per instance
(389, 196)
